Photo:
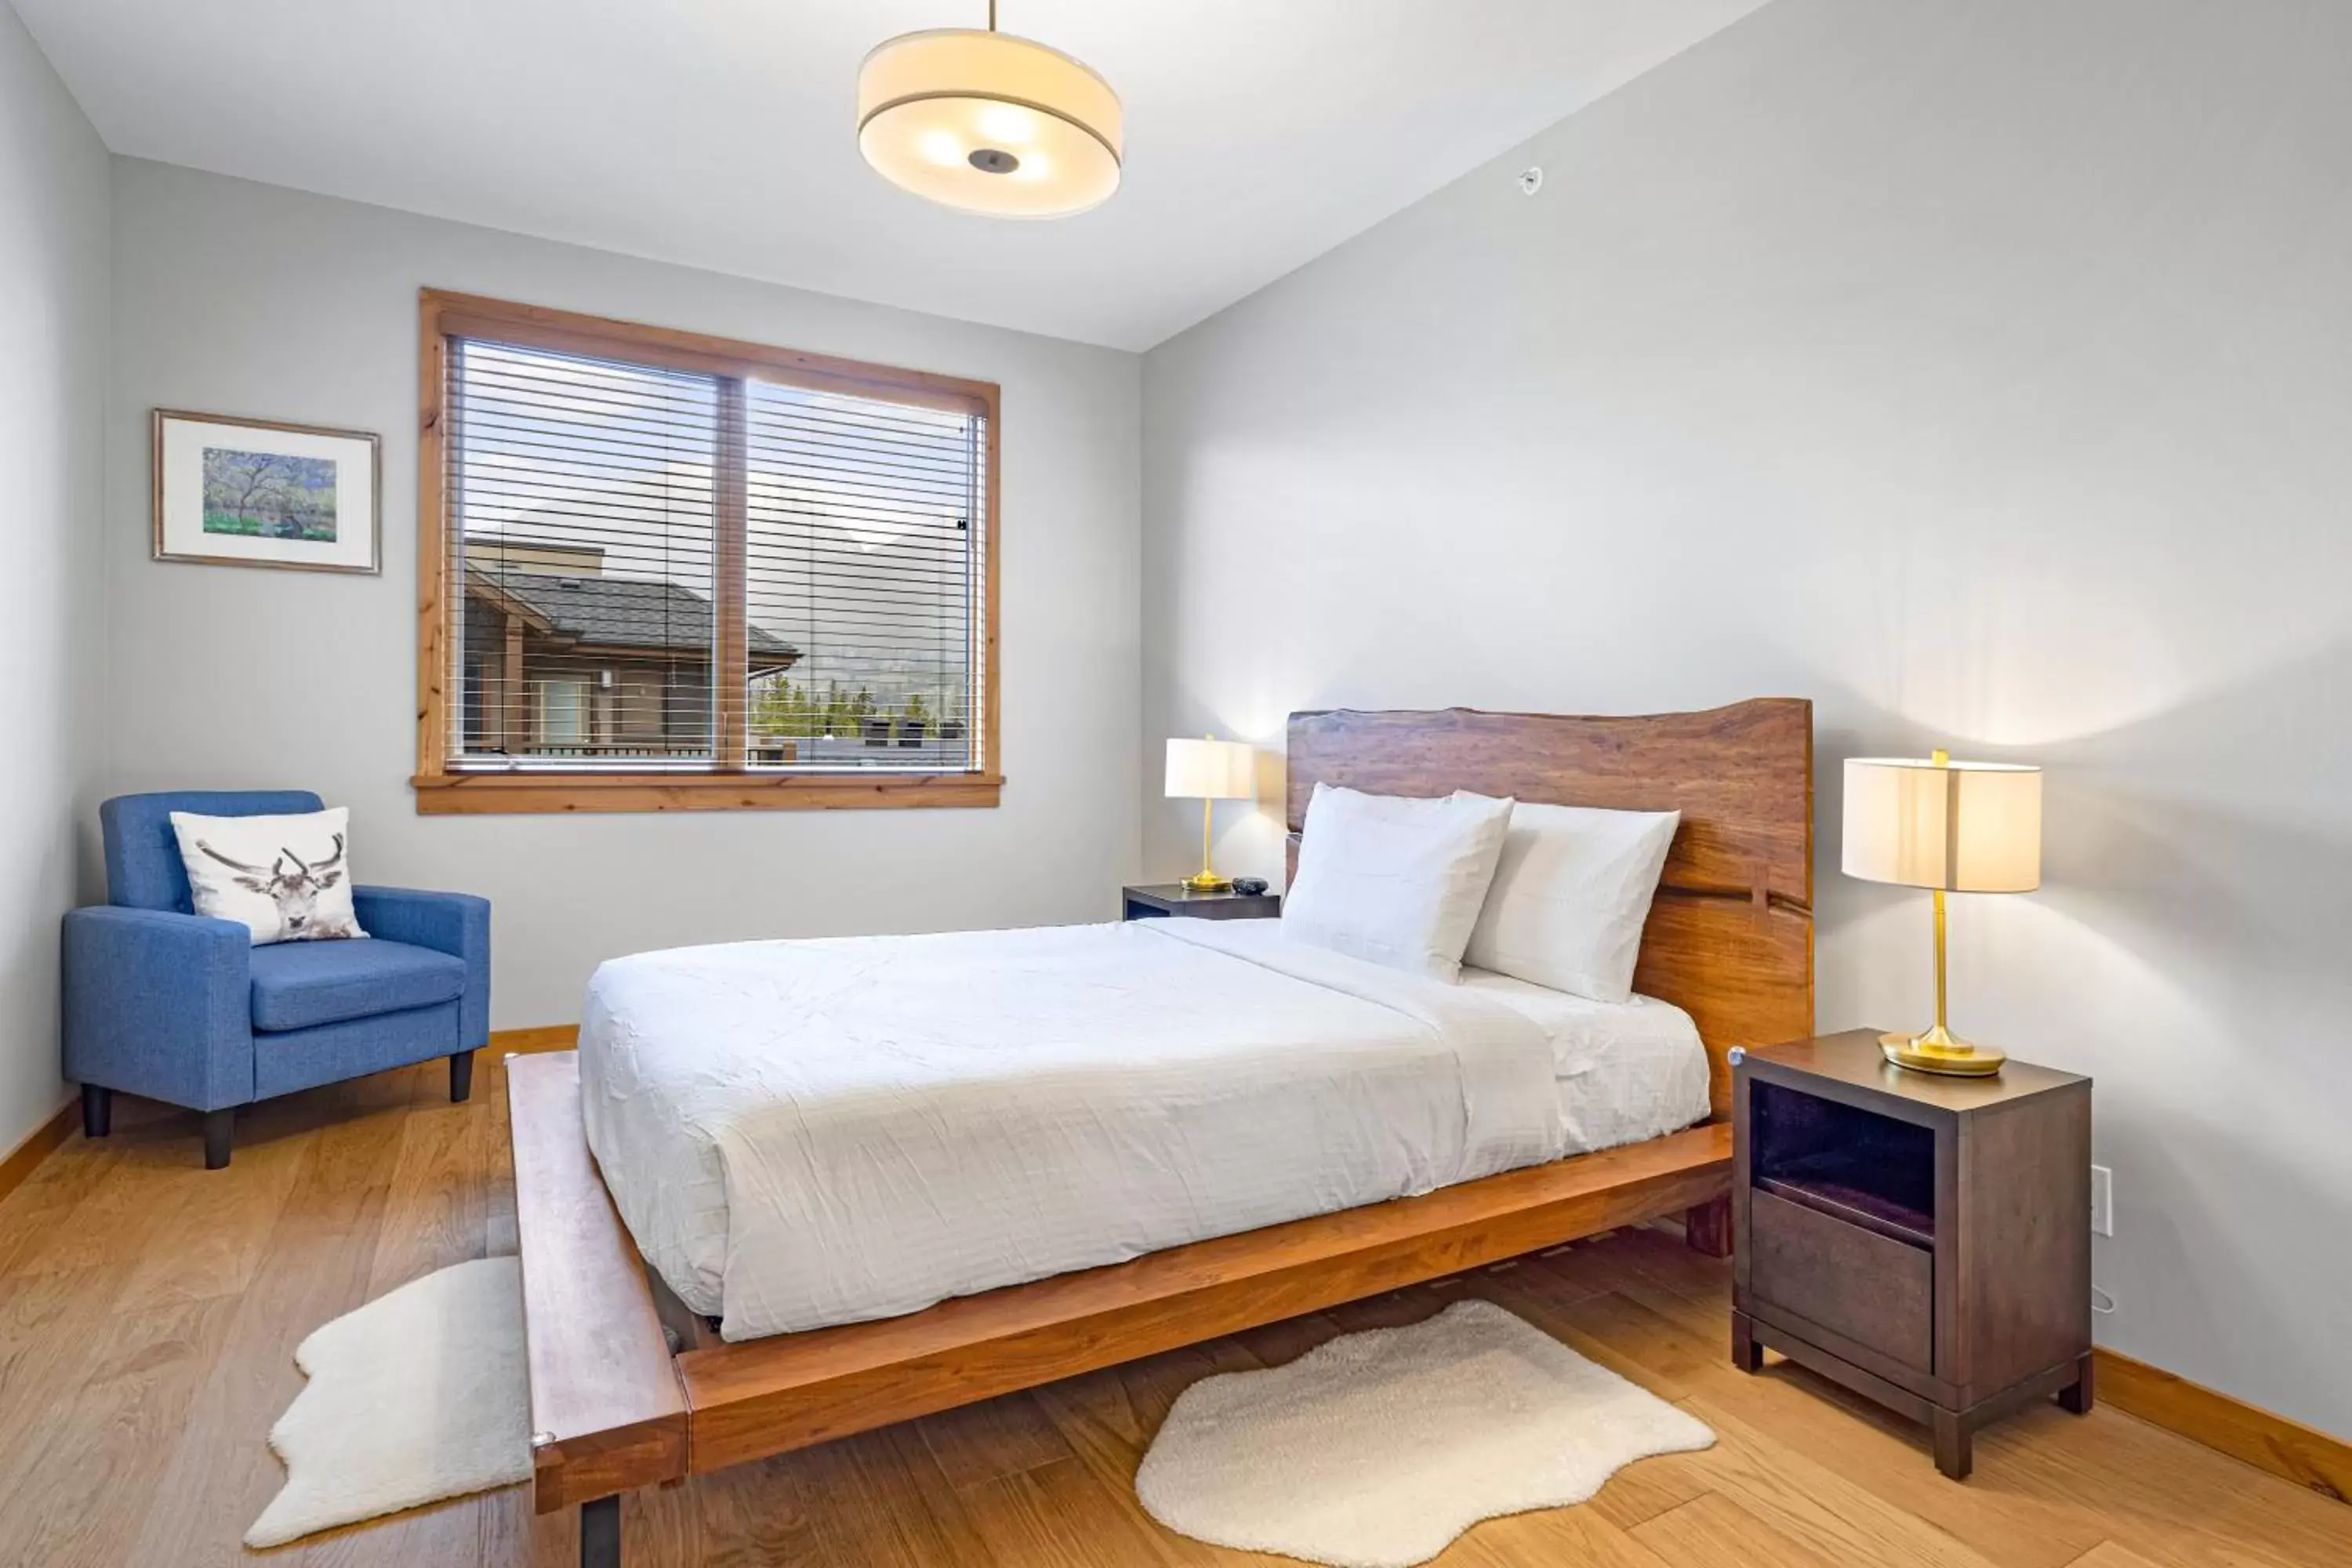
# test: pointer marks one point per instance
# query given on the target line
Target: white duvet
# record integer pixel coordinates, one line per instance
(801, 1133)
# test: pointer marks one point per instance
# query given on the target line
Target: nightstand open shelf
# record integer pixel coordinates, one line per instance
(1847, 1163)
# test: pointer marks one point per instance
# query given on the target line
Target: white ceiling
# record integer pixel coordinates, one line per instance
(718, 133)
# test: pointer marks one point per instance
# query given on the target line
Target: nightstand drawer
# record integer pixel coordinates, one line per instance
(1875, 1290)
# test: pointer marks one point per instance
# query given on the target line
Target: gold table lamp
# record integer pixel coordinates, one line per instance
(1961, 827)
(1210, 771)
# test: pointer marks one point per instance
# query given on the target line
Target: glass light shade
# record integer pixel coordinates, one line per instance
(1211, 770)
(986, 123)
(1966, 827)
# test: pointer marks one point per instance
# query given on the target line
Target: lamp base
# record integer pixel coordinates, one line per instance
(1939, 1050)
(1207, 882)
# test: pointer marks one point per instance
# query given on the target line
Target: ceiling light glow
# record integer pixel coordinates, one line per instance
(1007, 126)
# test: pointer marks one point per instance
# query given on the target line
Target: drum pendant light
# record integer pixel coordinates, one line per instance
(985, 123)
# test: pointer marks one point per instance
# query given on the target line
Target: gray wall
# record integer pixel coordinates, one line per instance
(234, 297)
(53, 265)
(1983, 372)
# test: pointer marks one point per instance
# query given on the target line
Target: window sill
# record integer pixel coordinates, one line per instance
(448, 794)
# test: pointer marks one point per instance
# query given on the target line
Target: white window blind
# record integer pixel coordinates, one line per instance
(859, 554)
(656, 569)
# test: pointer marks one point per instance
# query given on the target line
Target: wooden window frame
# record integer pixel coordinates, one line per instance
(729, 784)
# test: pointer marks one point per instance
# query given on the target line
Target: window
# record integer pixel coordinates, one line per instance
(668, 570)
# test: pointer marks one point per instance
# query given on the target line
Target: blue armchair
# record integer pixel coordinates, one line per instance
(163, 1003)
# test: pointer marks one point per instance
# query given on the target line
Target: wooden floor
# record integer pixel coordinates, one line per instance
(149, 1313)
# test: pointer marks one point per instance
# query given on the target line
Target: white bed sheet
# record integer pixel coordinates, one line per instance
(812, 1133)
(1627, 1070)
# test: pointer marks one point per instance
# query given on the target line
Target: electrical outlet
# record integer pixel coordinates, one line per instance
(2102, 1201)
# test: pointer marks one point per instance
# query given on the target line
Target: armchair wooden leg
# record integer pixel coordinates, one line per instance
(600, 1534)
(461, 1076)
(220, 1126)
(97, 1110)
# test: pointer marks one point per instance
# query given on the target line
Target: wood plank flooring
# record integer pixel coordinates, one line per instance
(148, 1311)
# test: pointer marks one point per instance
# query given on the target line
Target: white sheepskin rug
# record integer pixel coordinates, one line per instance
(1376, 1449)
(421, 1395)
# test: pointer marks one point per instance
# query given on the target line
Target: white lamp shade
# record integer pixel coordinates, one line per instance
(987, 123)
(1966, 827)
(1211, 770)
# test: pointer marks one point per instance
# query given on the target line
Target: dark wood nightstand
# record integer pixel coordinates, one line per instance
(1923, 1241)
(1157, 899)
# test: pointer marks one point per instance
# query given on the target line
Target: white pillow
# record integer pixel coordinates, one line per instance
(1569, 897)
(288, 878)
(1394, 880)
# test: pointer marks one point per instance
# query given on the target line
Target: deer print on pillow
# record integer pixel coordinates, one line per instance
(294, 886)
(285, 878)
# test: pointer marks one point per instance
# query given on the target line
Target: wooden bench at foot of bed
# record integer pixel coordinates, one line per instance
(612, 1409)
(607, 1413)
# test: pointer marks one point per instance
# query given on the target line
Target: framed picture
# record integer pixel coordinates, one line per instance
(249, 493)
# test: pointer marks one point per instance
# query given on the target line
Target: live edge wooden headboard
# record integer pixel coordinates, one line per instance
(1730, 938)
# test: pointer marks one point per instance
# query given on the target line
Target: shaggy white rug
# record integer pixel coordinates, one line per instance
(1376, 1449)
(421, 1395)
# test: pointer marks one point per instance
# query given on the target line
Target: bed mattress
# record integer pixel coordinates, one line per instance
(804, 1133)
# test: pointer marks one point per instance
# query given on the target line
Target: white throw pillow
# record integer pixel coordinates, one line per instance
(1395, 880)
(1569, 897)
(288, 878)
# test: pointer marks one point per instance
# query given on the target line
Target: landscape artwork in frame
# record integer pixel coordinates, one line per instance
(249, 493)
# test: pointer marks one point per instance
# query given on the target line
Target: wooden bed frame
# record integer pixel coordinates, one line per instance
(620, 1401)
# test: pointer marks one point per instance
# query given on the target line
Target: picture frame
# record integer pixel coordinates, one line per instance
(260, 492)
